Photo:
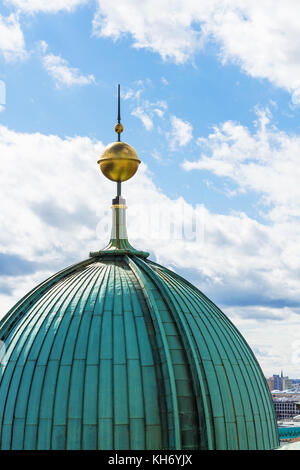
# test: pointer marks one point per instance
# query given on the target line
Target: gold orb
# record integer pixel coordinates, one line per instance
(119, 128)
(119, 161)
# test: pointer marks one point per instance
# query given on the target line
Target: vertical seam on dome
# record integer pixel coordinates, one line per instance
(109, 270)
(78, 283)
(57, 290)
(267, 398)
(246, 351)
(102, 283)
(241, 372)
(193, 360)
(172, 282)
(125, 349)
(126, 279)
(83, 279)
(264, 391)
(217, 349)
(87, 281)
(257, 377)
(90, 273)
(160, 397)
(113, 357)
(100, 269)
(90, 282)
(153, 308)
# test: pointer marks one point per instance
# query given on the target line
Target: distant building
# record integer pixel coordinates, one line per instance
(286, 404)
(270, 383)
(287, 383)
(286, 409)
(279, 382)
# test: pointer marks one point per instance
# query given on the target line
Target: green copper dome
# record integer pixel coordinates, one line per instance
(118, 352)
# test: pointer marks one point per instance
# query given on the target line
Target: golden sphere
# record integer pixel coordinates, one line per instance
(119, 128)
(119, 161)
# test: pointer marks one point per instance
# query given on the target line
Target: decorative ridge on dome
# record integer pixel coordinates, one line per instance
(189, 344)
(119, 162)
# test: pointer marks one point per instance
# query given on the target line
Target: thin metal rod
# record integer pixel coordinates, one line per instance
(119, 105)
(118, 188)
(119, 111)
(119, 139)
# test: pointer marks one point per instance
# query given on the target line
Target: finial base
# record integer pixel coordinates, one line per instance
(118, 201)
(118, 252)
(119, 247)
(119, 244)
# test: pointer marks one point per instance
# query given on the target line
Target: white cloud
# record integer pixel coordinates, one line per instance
(156, 155)
(261, 37)
(159, 112)
(144, 109)
(156, 25)
(266, 161)
(145, 118)
(12, 44)
(46, 6)
(131, 94)
(279, 348)
(47, 201)
(181, 133)
(50, 201)
(62, 73)
(43, 46)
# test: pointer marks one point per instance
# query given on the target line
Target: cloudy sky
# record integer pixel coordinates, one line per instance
(210, 101)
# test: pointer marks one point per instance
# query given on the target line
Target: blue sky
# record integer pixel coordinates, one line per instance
(210, 101)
